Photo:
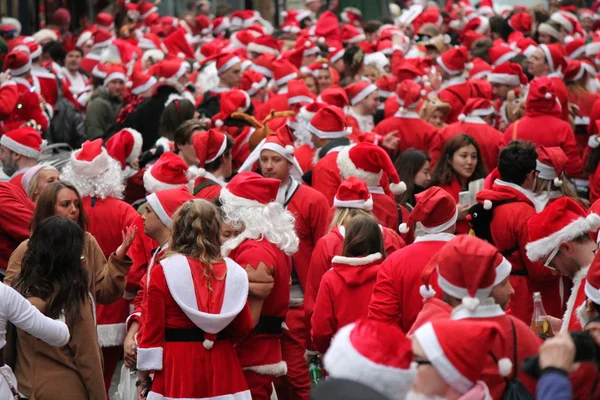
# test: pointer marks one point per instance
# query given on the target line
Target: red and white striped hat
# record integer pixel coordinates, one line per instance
(166, 202)
(353, 193)
(169, 172)
(509, 73)
(329, 123)
(25, 141)
(359, 91)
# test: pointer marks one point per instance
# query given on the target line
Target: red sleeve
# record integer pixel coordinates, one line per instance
(319, 264)
(152, 336)
(9, 96)
(324, 323)
(575, 166)
(595, 185)
(17, 211)
(397, 61)
(140, 253)
(325, 181)
(319, 217)
(137, 315)
(385, 304)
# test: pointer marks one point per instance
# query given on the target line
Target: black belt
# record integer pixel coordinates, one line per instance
(186, 335)
(269, 325)
(522, 272)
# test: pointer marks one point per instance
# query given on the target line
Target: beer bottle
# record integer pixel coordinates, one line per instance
(315, 371)
(539, 324)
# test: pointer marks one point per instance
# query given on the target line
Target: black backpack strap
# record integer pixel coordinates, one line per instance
(203, 185)
(515, 355)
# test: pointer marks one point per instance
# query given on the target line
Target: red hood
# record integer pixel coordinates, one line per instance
(357, 270)
(500, 193)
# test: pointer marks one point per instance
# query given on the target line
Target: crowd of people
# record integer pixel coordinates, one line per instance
(401, 208)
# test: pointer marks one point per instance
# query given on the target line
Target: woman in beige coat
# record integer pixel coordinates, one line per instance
(73, 371)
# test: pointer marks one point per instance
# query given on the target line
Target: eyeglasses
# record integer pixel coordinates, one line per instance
(550, 258)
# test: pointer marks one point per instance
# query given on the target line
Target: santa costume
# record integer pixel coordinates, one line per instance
(125, 146)
(389, 370)
(541, 109)
(456, 90)
(26, 142)
(561, 222)
(189, 332)
(373, 165)
(397, 294)
(99, 180)
(208, 145)
(358, 92)
(264, 248)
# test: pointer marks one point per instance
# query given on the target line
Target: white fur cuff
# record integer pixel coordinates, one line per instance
(150, 359)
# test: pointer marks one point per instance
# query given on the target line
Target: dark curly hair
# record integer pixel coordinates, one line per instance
(517, 160)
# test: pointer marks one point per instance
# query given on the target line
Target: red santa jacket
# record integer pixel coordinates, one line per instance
(329, 246)
(326, 176)
(385, 208)
(89, 61)
(343, 296)
(454, 188)
(490, 140)
(396, 296)
(563, 97)
(556, 133)
(305, 155)
(140, 252)
(577, 298)
(510, 234)
(48, 84)
(310, 210)
(188, 369)
(108, 218)
(528, 344)
(17, 179)
(9, 97)
(210, 191)
(455, 92)
(595, 184)
(261, 352)
(433, 309)
(17, 211)
(413, 132)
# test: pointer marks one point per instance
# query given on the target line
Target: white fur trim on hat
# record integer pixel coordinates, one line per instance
(548, 56)
(152, 185)
(505, 57)
(366, 205)
(285, 79)
(19, 148)
(114, 76)
(44, 34)
(502, 271)
(328, 135)
(594, 141)
(22, 70)
(442, 227)
(459, 292)
(545, 171)
(256, 86)
(259, 68)
(342, 360)
(229, 64)
(141, 89)
(90, 169)
(440, 62)
(159, 210)
(504, 79)
(591, 292)
(430, 344)
(138, 142)
(549, 30)
(221, 150)
(357, 261)
(259, 48)
(348, 169)
(363, 94)
(542, 247)
(398, 188)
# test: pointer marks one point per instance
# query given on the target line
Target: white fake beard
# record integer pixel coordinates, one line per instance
(591, 85)
(583, 316)
(412, 395)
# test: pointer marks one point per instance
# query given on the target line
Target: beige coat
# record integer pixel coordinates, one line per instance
(75, 370)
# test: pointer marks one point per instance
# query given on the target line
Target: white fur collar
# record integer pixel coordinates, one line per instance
(488, 309)
(453, 82)
(474, 120)
(577, 279)
(525, 192)
(435, 237)
(356, 260)
(407, 114)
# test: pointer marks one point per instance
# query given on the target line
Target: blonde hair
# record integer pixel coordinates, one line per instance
(35, 179)
(566, 189)
(195, 234)
(344, 214)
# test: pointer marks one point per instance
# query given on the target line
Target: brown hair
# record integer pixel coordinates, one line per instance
(195, 234)
(46, 205)
(363, 237)
(444, 174)
(183, 134)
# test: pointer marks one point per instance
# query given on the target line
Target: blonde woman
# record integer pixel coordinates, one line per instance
(197, 309)
(37, 178)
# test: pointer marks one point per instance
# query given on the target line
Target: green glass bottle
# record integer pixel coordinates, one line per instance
(314, 370)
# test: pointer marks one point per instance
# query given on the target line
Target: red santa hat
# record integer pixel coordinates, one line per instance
(34, 49)
(592, 283)
(100, 70)
(386, 86)
(169, 172)
(25, 141)
(283, 72)
(84, 38)
(281, 142)
(352, 35)
(335, 54)
(480, 70)
(249, 189)
(252, 82)
(225, 61)
(551, 163)
(353, 193)
(105, 21)
(541, 95)
(290, 24)
(298, 93)
(145, 8)
(231, 101)
(329, 123)
(166, 202)
(359, 91)
(264, 64)
(177, 45)
(478, 24)
(476, 107)
(592, 48)
(527, 46)
(576, 70)
(265, 44)
(172, 69)
(368, 162)
(91, 160)
(409, 94)
(102, 38)
(509, 73)
(389, 370)
(500, 54)
(115, 72)
(125, 146)
(308, 47)
(220, 25)
(335, 96)
(18, 62)
(315, 67)
(461, 363)
(352, 16)
(555, 56)
(575, 48)
(471, 282)
(141, 82)
(435, 209)
(565, 20)
(454, 61)
(521, 22)
(486, 7)
(209, 145)
(241, 39)
(150, 41)
(561, 221)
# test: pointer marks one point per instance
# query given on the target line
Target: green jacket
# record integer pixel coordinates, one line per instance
(101, 115)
